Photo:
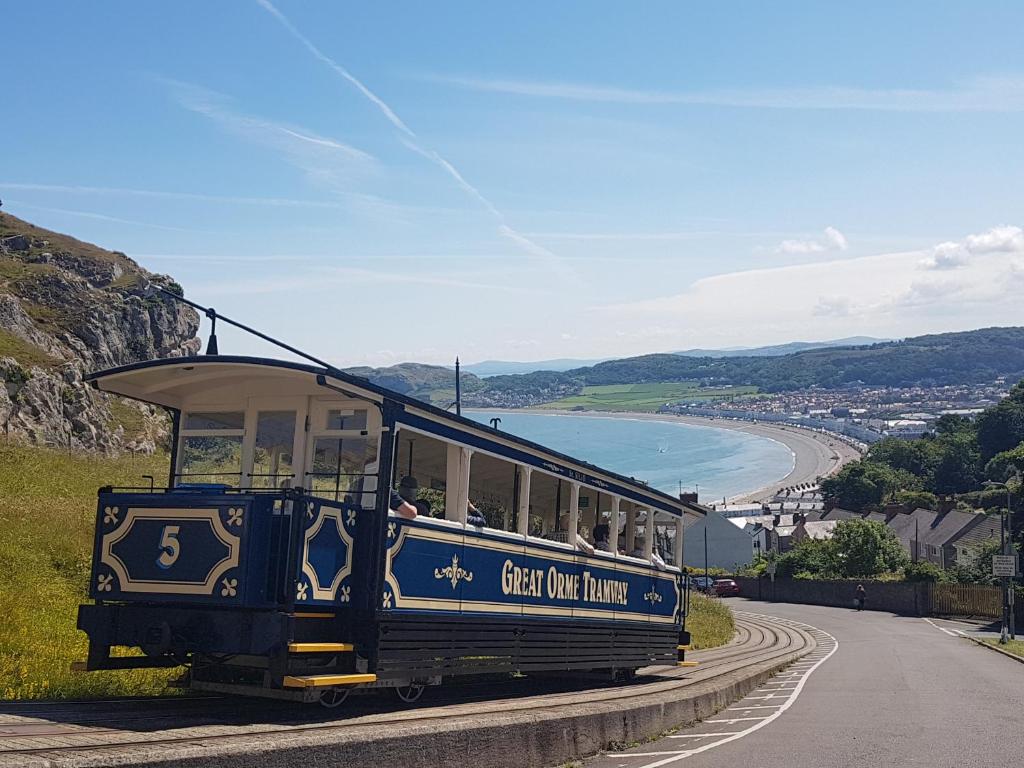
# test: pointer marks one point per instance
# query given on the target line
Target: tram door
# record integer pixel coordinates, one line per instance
(275, 451)
(342, 451)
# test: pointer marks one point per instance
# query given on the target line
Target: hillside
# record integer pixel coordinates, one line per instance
(933, 360)
(433, 383)
(781, 349)
(69, 307)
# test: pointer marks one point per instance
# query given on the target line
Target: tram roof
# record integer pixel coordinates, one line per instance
(168, 381)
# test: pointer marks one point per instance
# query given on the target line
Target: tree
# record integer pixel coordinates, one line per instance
(809, 558)
(976, 567)
(959, 466)
(866, 548)
(862, 484)
(1005, 464)
(1001, 427)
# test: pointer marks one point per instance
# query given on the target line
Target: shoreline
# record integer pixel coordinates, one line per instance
(815, 454)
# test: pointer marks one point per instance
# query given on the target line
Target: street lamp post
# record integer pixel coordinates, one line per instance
(1006, 548)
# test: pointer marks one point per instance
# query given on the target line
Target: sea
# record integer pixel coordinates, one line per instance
(717, 463)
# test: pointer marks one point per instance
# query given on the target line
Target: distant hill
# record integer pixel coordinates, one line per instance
(778, 349)
(934, 360)
(501, 367)
(432, 383)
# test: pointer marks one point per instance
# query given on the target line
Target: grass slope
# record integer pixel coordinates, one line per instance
(645, 397)
(710, 622)
(47, 509)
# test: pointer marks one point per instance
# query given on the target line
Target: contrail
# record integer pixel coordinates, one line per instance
(411, 140)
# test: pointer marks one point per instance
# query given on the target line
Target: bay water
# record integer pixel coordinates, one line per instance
(718, 462)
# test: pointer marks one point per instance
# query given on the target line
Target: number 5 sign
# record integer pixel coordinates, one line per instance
(169, 546)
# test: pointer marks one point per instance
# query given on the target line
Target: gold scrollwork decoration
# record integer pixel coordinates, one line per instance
(652, 597)
(454, 573)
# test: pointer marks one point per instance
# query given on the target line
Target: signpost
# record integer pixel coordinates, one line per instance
(1004, 566)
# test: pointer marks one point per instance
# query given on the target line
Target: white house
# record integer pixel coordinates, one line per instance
(728, 545)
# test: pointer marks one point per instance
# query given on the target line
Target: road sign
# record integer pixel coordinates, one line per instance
(1004, 565)
(772, 567)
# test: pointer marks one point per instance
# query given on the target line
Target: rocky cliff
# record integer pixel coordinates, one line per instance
(67, 308)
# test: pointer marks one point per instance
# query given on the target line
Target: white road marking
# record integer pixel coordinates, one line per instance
(791, 695)
(701, 735)
(755, 706)
(950, 632)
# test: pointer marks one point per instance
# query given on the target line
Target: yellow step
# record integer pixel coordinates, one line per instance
(320, 647)
(684, 647)
(312, 615)
(320, 681)
(687, 663)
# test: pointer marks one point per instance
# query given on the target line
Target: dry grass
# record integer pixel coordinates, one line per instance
(26, 353)
(710, 622)
(47, 508)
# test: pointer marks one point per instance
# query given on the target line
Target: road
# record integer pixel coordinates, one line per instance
(896, 691)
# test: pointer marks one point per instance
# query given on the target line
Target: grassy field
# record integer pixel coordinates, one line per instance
(47, 505)
(710, 622)
(646, 397)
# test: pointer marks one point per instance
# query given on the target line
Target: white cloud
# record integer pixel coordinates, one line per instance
(983, 94)
(952, 255)
(884, 295)
(1004, 239)
(831, 240)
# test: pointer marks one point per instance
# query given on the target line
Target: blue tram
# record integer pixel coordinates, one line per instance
(275, 564)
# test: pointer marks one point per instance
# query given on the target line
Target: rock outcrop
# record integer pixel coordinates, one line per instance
(67, 308)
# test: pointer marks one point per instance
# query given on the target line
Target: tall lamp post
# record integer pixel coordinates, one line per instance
(1006, 548)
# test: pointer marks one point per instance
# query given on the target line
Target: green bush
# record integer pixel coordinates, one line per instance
(924, 572)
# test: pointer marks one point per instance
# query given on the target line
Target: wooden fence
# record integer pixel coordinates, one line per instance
(966, 600)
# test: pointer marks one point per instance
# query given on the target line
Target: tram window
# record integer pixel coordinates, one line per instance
(209, 421)
(664, 537)
(421, 470)
(492, 490)
(340, 463)
(272, 456)
(545, 501)
(211, 447)
(345, 420)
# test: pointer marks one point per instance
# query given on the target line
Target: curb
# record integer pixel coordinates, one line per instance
(995, 648)
(534, 739)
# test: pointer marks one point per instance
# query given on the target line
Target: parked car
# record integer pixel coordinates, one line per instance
(701, 583)
(726, 588)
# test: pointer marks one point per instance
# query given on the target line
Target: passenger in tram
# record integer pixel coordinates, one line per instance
(638, 548)
(408, 489)
(474, 516)
(400, 506)
(601, 534)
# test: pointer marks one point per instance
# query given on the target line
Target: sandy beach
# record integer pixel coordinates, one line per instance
(814, 454)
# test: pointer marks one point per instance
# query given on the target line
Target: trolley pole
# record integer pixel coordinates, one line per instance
(458, 389)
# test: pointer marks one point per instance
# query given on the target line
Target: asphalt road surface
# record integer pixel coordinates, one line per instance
(889, 691)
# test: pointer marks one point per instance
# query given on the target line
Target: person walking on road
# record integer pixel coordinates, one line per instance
(859, 597)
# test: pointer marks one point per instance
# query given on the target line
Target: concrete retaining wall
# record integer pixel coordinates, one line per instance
(517, 739)
(908, 599)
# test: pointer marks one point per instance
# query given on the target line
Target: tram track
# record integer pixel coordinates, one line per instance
(87, 733)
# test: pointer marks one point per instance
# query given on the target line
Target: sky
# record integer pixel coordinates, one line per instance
(393, 181)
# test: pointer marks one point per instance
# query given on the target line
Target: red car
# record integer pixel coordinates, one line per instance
(726, 587)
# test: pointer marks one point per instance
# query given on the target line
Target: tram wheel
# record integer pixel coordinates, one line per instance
(334, 697)
(410, 693)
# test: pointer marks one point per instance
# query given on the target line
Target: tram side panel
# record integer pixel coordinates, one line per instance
(479, 601)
